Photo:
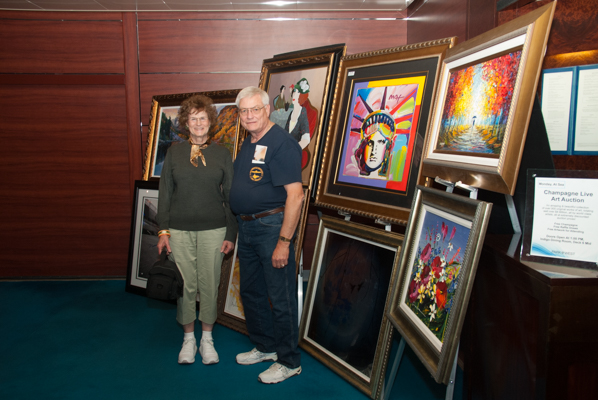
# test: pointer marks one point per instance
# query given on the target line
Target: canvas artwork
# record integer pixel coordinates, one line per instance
(169, 131)
(296, 99)
(143, 251)
(233, 304)
(477, 106)
(486, 93)
(373, 151)
(148, 250)
(349, 300)
(435, 269)
(343, 324)
(429, 299)
(380, 133)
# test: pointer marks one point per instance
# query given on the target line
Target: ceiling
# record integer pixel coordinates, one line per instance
(205, 5)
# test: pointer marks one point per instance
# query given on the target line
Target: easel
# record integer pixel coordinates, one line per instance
(536, 156)
(300, 289)
(473, 194)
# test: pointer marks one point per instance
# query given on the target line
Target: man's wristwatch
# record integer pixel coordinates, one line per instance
(284, 239)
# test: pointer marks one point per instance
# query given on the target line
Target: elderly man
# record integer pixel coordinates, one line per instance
(266, 196)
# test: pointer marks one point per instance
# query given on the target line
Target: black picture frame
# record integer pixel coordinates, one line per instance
(143, 252)
(287, 69)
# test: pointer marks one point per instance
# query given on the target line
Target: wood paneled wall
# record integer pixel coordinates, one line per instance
(65, 154)
(75, 96)
(75, 89)
(436, 19)
(573, 41)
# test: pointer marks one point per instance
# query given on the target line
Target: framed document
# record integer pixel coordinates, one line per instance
(586, 116)
(558, 107)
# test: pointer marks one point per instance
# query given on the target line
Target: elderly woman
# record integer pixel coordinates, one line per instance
(196, 223)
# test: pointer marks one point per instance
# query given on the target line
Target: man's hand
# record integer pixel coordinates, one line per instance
(280, 257)
(292, 212)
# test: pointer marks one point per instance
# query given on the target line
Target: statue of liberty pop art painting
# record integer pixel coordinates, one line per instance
(380, 133)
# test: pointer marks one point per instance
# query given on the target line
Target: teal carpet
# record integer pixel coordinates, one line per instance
(92, 340)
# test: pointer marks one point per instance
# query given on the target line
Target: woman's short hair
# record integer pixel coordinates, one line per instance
(197, 103)
(251, 91)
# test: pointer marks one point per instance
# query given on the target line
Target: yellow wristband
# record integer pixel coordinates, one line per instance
(284, 239)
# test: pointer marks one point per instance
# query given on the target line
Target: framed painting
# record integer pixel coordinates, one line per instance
(300, 85)
(164, 129)
(375, 139)
(230, 305)
(343, 323)
(437, 267)
(486, 91)
(143, 252)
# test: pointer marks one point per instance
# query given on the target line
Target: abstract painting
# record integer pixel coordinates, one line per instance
(300, 85)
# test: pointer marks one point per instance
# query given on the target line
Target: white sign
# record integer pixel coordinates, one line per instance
(565, 219)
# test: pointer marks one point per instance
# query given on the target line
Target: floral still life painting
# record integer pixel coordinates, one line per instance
(477, 106)
(434, 277)
(380, 134)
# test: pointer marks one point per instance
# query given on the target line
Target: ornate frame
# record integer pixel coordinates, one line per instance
(321, 65)
(388, 197)
(526, 35)
(432, 288)
(357, 294)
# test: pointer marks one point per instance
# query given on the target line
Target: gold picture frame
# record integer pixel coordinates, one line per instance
(343, 324)
(486, 92)
(397, 85)
(163, 127)
(437, 266)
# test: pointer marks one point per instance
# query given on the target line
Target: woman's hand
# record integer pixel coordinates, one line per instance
(163, 242)
(227, 246)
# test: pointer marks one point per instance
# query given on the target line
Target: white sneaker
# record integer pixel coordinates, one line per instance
(187, 354)
(255, 356)
(277, 373)
(208, 352)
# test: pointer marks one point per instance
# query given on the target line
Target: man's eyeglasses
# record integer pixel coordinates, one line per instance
(246, 111)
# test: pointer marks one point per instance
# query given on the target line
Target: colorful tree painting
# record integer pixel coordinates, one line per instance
(477, 106)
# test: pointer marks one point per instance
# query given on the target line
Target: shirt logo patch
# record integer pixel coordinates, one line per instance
(256, 174)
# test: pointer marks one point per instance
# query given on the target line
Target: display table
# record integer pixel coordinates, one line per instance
(528, 335)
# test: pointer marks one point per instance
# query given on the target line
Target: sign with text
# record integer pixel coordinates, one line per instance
(564, 213)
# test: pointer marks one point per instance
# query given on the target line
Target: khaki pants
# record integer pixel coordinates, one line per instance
(198, 257)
